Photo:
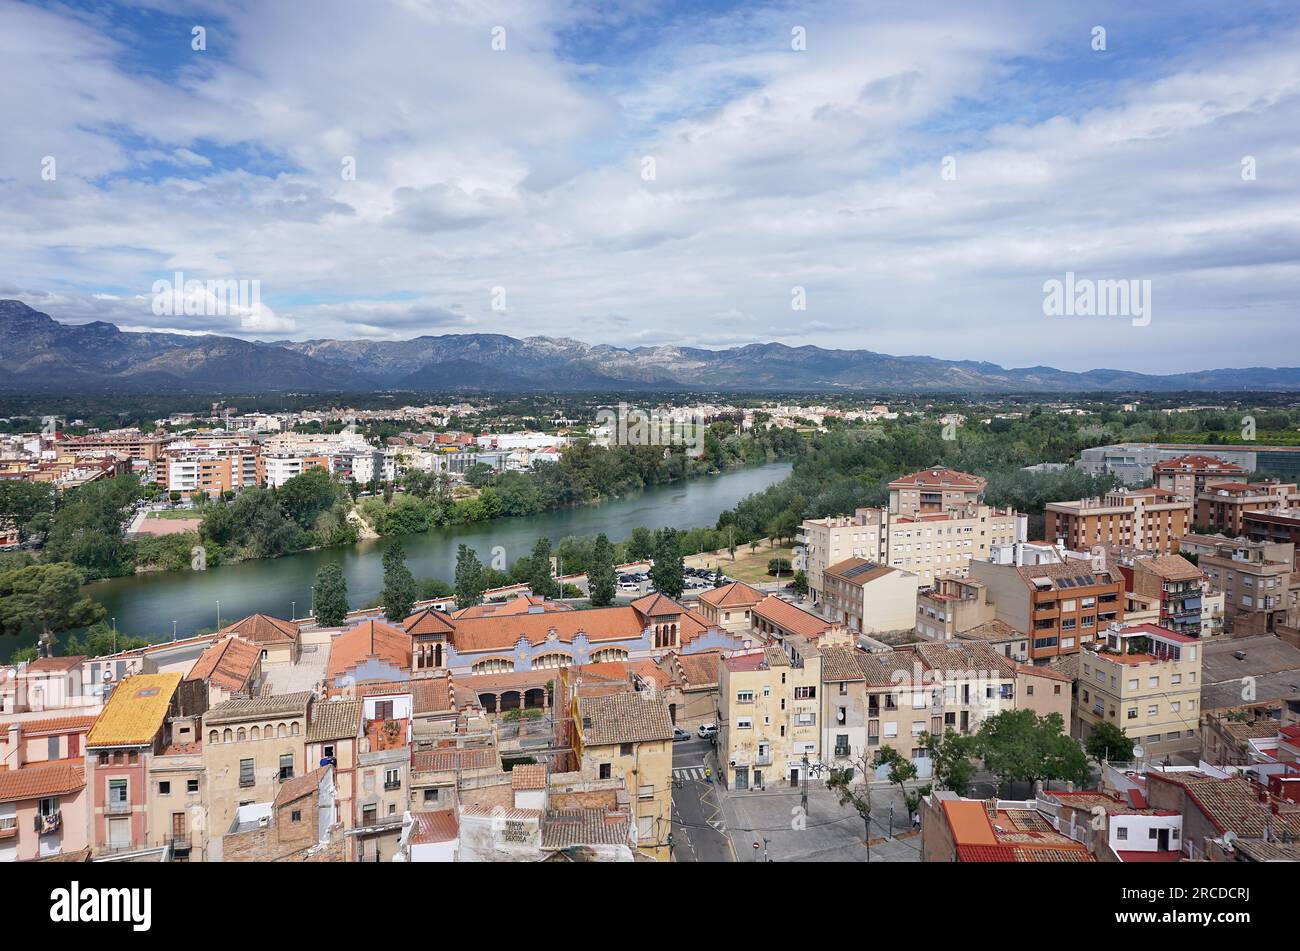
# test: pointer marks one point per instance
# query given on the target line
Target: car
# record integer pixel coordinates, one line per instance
(680, 734)
(707, 731)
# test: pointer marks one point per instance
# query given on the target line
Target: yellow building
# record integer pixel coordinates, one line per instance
(1145, 680)
(629, 734)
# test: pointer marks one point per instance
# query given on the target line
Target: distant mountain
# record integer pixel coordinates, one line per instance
(39, 354)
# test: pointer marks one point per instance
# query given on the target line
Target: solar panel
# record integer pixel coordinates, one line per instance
(1065, 582)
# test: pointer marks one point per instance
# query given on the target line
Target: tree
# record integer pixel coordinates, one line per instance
(951, 758)
(641, 544)
(88, 530)
(600, 573)
(399, 584)
(854, 794)
(540, 579)
(28, 505)
(1109, 742)
(1019, 745)
(901, 772)
(667, 573)
(306, 496)
(470, 584)
(330, 596)
(45, 600)
(801, 582)
(719, 579)
(432, 588)
(100, 639)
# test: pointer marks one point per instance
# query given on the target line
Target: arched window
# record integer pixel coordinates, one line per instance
(608, 654)
(494, 665)
(280, 731)
(241, 735)
(212, 736)
(227, 736)
(256, 732)
(437, 655)
(294, 729)
(551, 661)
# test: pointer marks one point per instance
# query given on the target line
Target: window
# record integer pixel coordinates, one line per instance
(805, 693)
(246, 772)
(164, 788)
(191, 785)
(744, 723)
(52, 748)
(392, 779)
(744, 696)
(625, 749)
(286, 767)
(430, 796)
(605, 771)
(1121, 832)
(295, 816)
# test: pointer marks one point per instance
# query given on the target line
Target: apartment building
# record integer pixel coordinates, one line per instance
(934, 526)
(1255, 578)
(1062, 607)
(43, 811)
(208, 467)
(769, 714)
(1174, 585)
(1188, 476)
(275, 470)
(728, 607)
(951, 606)
(869, 597)
(1146, 680)
(1148, 519)
(1224, 505)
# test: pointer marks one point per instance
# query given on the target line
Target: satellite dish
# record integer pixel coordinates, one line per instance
(1230, 839)
(1139, 752)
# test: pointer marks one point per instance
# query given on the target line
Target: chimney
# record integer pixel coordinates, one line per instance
(14, 751)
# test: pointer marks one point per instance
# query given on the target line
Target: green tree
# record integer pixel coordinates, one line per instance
(601, 579)
(28, 505)
(1109, 742)
(1019, 745)
(399, 584)
(540, 578)
(304, 497)
(951, 755)
(88, 530)
(667, 573)
(901, 772)
(100, 639)
(470, 583)
(641, 544)
(330, 596)
(45, 600)
(801, 582)
(431, 588)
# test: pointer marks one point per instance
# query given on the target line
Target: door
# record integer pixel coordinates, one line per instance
(758, 779)
(742, 777)
(179, 826)
(74, 745)
(119, 833)
(794, 776)
(1162, 840)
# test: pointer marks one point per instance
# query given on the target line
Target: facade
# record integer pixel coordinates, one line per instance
(208, 467)
(1174, 585)
(934, 526)
(1063, 607)
(1188, 476)
(868, 597)
(729, 606)
(43, 810)
(1145, 680)
(1224, 505)
(333, 739)
(1147, 519)
(1255, 578)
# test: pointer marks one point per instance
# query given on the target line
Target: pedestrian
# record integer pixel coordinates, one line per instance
(708, 774)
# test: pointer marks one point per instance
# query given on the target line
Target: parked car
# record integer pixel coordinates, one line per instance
(680, 734)
(708, 731)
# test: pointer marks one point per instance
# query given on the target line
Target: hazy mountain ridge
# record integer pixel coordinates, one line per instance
(37, 353)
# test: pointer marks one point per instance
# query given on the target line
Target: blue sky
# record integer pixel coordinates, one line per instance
(520, 174)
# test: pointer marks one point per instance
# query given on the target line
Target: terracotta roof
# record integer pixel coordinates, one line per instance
(299, 786)
(428, 621)
(565, 828)
(939, 476)
(431, 695)
(951, 656)
(790, 617)
(521, 604)
(369, 639)
(624, 718)
(1231, 805)
(1170, 567)
(840, 664)
(35, 782)
(528, 776)
(253, 708)
(264, 629)
(54, 664)
(737, 594)
(1190, 462)
(78, 724)
(228, 663)
(881, 670)
(135, 711)
(334, 720)
(994, 630)
(657, 605)
(434, 827)
(451, 759)
(1050, 673)
(501, 633)
(698, 670)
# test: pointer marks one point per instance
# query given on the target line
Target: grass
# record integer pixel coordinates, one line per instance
(748, 567)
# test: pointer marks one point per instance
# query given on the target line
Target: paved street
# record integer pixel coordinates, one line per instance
(698, 831)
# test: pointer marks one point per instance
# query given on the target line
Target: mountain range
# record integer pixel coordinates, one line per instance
(40, 354)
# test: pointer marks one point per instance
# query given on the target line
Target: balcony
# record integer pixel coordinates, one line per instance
(180, 844)
(763, 759)
(117, 808)
(392, 785)
(8, 828)
(47, 824)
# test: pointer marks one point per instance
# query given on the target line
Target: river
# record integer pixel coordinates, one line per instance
(149, 603)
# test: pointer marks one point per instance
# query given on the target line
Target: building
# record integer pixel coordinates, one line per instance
(1226, 818)
(868, 597)
(774, 619)
(1173, 586)
(131, 730)
(208, 466)
(229, 668)
(1063, 607)
(1255, 578)
(973, 830)
(300, 824)
(43, 810)
(370, 652)
(934, 526)
(1115, 829)
(728, 607)
(630, 735)
(1134, 462)
(1224, 505)
(951, 606)
(333, 739)
(278, 639)
(1145, 680)
(1281, 525)
(1147, 519)
(1188, 476)
(251, 747)
(1256, 676)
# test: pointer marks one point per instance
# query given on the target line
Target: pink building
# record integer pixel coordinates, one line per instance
(42, 810)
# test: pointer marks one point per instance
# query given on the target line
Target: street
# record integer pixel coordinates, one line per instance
(698, 832)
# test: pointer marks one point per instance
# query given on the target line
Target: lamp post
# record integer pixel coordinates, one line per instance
(218, 615)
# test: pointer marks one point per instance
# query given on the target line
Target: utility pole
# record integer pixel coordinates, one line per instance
(803, 793)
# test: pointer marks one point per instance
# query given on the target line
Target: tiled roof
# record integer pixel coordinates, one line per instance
(790, 617)
(299, 786)
(228, 663)
(624, 718)
(501, 633)
(449, 760)
(256, 707)
(1051, 673)
(840, 664)
(737, 594)
(883, 669)
(1170, 567)
(565, 828)
(991, 630)
(51, 665)
(369, 639)
(964, 656)
(431, 695)
(520, 604)
(434, 827)
(35, 782)
(428, 621)
(78, 724)
(1231, 805)
(698, 670)
(939, 476)
(528, 776)
(334, 720)
(264, 629)
(135, 711)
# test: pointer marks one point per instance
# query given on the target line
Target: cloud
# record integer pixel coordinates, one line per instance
(523, 169)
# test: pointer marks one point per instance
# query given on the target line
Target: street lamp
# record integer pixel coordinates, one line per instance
(293, 610)
(218, 615)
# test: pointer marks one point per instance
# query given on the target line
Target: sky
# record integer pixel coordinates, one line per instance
(903, 177)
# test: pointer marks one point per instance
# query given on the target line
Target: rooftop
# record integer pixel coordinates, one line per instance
(135, 711)
(628, 717)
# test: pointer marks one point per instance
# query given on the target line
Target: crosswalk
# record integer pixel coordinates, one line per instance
(689, 773)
